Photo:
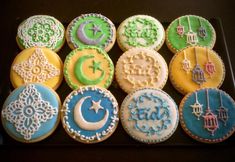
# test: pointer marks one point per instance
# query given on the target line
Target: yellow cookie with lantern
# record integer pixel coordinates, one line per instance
(88, 65)
(37, 65)
(196, 67)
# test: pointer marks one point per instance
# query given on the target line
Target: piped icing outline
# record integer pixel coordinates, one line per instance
(108, 43)
(98, 136)
(174, 50)
(128, 131)
(196, 137)
(74, 52)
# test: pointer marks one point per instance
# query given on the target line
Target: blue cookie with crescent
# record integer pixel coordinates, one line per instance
(88, 65)
(208, 115)
(90, 114)
(91, 29)
(31, 113)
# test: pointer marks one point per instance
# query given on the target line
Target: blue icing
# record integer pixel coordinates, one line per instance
(46, 127)
(90, 115)
(197, 126)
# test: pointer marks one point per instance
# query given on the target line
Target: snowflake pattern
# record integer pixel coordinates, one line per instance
(28, 112)
(36, 68)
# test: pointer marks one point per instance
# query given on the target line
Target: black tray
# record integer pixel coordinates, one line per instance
(119, 138)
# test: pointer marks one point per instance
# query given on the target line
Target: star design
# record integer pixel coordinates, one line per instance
(96, 106)
(95, 29)
(95, 66)
(28, 112)
(36, 68)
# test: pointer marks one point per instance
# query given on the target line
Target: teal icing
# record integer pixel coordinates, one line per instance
(196, 127)
(46, 127)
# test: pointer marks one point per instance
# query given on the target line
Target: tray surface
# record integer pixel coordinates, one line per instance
(119, 137)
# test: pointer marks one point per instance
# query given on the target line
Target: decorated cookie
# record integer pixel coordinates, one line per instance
(90, 114)
(88, 65)
(190, 30)
(141, 67)
(207, 115)
(149, 115)
(196, 67)
(36, 64)
(41, 31)
(91, 29)
(140, 31)
(31, 113)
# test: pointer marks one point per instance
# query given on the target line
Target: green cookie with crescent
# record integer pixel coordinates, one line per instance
(91, 29)
(88, 65)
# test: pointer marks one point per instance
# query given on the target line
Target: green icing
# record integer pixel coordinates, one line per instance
(178, 42)
(141, 29)
(101, 52)
(90, 21)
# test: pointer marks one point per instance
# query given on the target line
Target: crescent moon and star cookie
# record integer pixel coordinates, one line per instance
(149, 115)
(190, 30)
(88, 65)
(141, 67)
(90, 114)
(140, 31)
(207, 115)
(31, 113)
(41, 31)
(37, 64)
(196, 67)
(91, 29)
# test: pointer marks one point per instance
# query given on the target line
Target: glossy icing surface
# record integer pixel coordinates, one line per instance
(90, 114)
(222, 126)
(149, 115)
(88, 65)
(31, 113)
(36, 64)
(177, 42)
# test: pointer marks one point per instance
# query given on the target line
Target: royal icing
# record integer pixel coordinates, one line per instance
(41, 31)
(90, 114)
(149, 115)
(31, 112)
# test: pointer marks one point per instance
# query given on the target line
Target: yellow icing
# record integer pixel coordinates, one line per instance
(52, 58)
(183, 81)
(104, 64)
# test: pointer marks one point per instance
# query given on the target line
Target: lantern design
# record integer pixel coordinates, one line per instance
(180, 29)
(186, 65)
(198, 73)
(197, 108)
(222, 111)
(202, 31)
(210, 119)
(209, 66)
(191, 36)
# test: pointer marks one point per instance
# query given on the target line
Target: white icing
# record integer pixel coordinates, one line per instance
(28, 112)
(36, 68)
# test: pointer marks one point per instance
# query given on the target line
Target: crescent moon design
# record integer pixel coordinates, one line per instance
(81, 76)
(81, 34)
(82, 123)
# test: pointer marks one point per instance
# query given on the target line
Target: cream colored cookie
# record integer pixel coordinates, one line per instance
(141, 67)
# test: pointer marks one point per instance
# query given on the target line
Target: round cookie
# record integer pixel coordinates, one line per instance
(190, 30)
(31, 113)
(41, 31)
(36, 64)
(90, 114)
(196, 67)
(140, 31)
(88, 65)
(91, 29)
(149, 115)
(207, 115)
(141, 67)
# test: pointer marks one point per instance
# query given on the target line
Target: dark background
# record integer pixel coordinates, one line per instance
(12, 12)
